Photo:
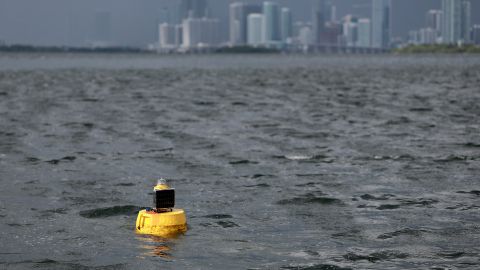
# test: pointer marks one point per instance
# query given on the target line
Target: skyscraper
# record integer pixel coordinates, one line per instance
(255, 29)
(476, 34)
(271, 22)
(456, 21)
(238, 21)
(318, 20)
(466, 21)
(350, 30)
(236, 14)
(381, 23)
(452, 26)
(364, 33)
(434, 20)
(193, 8)
(200, 32)
(166, 34)
(286, 27)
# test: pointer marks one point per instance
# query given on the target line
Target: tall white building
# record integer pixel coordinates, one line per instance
(255, 35)
(238, 21)
(381, 23)
(476, 34)
(305, 36)
(364, 33)
(456, 20)
(466, 21)
(286, 27)
(200, 33)
(350, 30)
(427, 36)
(166, 34)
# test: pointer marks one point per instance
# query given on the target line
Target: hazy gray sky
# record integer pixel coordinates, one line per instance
(134, 22)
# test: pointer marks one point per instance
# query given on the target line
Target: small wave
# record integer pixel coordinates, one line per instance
(406, 231)
(454, 158)
(452, 255)
(310, 199)
(376, 256)
(111, 211)
(64, 159)
(227, 224)
(388, 206)
(383, 197)
(473, 192)
(316, 267)
(218, 216)
(243, 161)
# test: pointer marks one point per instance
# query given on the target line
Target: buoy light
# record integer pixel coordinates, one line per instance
(163, 219)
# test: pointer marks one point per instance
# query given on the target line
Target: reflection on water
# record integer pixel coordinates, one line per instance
(155, 246)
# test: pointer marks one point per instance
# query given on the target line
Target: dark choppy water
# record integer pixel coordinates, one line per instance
(280, 162)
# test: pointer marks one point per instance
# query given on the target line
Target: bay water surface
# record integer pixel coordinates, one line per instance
(280, 161)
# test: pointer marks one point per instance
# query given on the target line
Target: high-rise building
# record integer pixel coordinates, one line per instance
(456, 20)
(434, 20)
(238, 21)
(166, 34)
(271, 23)
(413, 37)
(255, 29)
(476, 34)
(305, 36)
(466, 21)
(364, 33)
(381, 23)
(178, 35)
(427, 36)
(286, 27)
(193, 8)
(200, 32)
(350, 30)
(322, 13)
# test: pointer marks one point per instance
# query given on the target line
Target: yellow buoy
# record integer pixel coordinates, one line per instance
(163, 220)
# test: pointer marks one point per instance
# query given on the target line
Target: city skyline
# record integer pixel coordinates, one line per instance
(129, 24)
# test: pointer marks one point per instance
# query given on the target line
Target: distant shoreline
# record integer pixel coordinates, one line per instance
(438, 49)
(410, 49)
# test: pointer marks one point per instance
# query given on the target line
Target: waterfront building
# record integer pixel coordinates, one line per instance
(200, 33)
(286, 28)
(322, 13)
(271, 23)
(476, 34)
(350, 30)
(255, 33)
(381, 23)
(178, 35)
(456, 21)
(364, 33)
(238, 21)
(434, 20)
(305, 36)
(466, 21)
(427, 36)
(166, 34)
(413, 37)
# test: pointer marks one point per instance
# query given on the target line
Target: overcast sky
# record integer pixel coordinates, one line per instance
(134, 22)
